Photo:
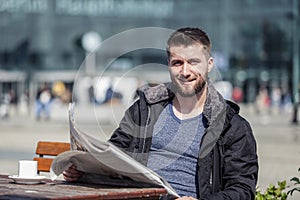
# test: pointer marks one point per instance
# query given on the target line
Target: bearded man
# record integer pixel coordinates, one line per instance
(186, 132)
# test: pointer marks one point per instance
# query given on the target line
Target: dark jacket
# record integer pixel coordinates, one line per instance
(227, 162)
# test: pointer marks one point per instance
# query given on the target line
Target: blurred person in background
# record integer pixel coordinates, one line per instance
(286, 101)
(276, 94)
(61, 92)
(237, 94)
(186, 132)
(263, 104)
(5, 105)
(43, 102)
(8, 102)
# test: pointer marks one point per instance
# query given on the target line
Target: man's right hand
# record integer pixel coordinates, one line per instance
(72, 174)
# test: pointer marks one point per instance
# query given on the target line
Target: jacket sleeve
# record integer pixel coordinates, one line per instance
(123, 136)
(240, 163)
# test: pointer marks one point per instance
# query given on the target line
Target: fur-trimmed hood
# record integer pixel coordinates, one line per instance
(214, 104)
(217, 111)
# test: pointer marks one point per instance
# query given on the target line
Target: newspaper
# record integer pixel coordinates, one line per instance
(104, 163)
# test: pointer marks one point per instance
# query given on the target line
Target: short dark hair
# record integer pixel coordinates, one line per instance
(188, 36)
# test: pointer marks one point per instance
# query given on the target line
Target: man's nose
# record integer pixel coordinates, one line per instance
(185, 69)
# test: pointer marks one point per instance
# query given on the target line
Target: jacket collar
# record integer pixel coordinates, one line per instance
(214, 104)
(213, 107)
(157, 93)
(217, 111)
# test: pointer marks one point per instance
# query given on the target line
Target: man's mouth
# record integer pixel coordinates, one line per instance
(186, 81)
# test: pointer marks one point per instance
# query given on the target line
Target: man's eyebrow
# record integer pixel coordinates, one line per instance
(172, 58)
(175, 60)
(194, 60)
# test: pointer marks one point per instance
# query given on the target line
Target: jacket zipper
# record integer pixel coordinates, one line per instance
(145, 131)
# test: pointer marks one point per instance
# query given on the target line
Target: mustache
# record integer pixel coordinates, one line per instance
(186, 79)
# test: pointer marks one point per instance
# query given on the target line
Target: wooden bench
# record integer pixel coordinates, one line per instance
(47, 151)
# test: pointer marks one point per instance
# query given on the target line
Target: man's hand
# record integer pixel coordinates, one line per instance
(186, 198)
(72, 174)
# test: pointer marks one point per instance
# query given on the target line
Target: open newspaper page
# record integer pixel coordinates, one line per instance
(104, 163)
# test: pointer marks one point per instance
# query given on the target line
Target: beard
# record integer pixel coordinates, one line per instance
(190, 90)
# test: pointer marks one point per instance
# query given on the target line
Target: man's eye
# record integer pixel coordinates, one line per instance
(177, 63)
(194, 62)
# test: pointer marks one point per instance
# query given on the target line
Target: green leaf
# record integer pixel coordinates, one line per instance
(269, 196)
(282, 184)
(295, 179)
(290, 192)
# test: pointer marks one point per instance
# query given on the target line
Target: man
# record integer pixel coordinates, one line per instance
(186, 131)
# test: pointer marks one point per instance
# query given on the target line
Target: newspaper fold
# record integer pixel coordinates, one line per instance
(104, 163)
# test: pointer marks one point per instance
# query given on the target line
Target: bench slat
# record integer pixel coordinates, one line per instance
(45, 148)
(51, 148)
(44, 164)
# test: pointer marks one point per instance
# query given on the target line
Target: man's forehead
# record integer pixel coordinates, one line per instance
(187, 51)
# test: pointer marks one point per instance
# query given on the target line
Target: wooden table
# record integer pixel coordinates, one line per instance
(62, 190)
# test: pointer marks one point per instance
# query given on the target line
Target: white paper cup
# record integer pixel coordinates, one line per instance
(27, 168)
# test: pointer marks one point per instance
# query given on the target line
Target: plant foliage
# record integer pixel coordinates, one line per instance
(273, 192)
(296, 181)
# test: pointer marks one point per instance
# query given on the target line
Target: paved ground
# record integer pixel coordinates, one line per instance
(278, 140)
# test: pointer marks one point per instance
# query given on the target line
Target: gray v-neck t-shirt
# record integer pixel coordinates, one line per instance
(174, 150)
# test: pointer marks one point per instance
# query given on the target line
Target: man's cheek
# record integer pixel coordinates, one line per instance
(198, 71)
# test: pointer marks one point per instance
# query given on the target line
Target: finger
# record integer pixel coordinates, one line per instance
(69, 179)
(71, 174)
(73, 171)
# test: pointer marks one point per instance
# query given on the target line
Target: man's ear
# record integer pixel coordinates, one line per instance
(210, 64)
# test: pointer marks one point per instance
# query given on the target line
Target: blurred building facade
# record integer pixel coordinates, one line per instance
(41, 40)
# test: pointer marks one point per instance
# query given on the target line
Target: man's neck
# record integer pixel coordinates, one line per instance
(188, 107)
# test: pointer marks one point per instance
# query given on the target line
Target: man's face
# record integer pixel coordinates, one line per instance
(189, 66)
